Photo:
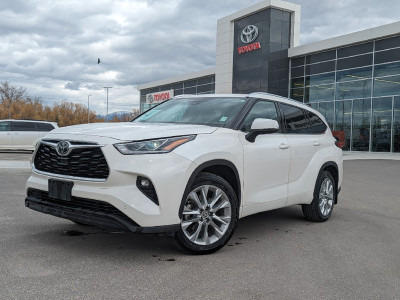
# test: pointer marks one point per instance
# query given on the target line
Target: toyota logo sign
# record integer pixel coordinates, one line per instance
(150, 99)
(63, 148)
(249, 34)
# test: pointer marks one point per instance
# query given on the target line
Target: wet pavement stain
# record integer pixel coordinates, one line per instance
(73, 233)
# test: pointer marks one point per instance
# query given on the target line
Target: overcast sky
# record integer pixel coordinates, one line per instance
(51, 47)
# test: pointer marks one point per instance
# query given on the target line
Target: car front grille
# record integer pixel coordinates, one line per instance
(87, 163)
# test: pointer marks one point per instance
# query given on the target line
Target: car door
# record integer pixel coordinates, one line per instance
(266, 163)
(24, 135)
(304, 145)
(5, 135)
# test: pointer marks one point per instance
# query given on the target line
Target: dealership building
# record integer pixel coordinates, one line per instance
(353, 80)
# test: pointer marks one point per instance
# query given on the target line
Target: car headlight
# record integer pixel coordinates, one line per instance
(153, 146)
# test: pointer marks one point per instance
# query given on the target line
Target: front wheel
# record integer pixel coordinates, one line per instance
(209, 217)
(325, 193)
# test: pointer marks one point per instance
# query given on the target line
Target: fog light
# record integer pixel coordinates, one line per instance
(146, 187)
(144, 183)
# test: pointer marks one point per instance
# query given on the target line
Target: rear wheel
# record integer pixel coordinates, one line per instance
(320, 209)
(209, 217)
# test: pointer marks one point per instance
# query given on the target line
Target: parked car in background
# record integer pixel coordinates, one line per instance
(23, 134)
(190, 167)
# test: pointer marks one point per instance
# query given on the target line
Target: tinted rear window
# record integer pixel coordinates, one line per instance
(295, 121)
(44, 127)
(23, 126)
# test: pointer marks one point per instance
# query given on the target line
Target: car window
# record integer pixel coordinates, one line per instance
(317, 126)
(23, 126)
(4, 126)
(212, 111)
(295, 120)
(44, 127)
(262, 109)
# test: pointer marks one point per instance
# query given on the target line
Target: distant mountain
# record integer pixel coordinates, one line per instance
(119, 114)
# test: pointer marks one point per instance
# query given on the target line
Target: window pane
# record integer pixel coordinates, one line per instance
(396, 125)
(4, 126)
(387, 43)
(353, 89)
(326, 109)
(295, 121)
(190, 90)
(355, 50)
(178, 92)
(320, 68)
(361, 122)
(316, 125)
(387, 56)
(204, 80)
(343, 120)
(204, 88)
(297, 82)
(387, 69)
(313, 105)
(319, 57)
(321, 92)
(353, 74)
(297, 72)
(297, 94)
(354, 62)
(387, 86)
(190, 83)
(44, 127)
(298, 61)
(23, 126)
(262, 109)
(320, 79)
(381, 124)
(176, 86)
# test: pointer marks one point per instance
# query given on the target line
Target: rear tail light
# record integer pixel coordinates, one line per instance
(338, 143)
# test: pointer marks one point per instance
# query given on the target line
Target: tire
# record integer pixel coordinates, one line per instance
(325, 194)
(207, 225)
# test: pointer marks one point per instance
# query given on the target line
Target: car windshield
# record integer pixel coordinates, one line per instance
(211, 111)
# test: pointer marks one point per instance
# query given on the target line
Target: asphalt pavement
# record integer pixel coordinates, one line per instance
(272, 255)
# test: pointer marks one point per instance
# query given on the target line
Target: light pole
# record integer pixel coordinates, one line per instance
(88, 110)
(107, 87)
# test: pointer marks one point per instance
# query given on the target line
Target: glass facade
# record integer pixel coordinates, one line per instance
(357, 89)
(201, 85)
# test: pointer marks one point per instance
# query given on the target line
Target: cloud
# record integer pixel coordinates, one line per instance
(51, 47)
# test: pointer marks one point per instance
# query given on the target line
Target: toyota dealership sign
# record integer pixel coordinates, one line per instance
(249, 34)
(159, 96)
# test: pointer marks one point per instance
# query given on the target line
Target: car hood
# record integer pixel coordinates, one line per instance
(131, 131)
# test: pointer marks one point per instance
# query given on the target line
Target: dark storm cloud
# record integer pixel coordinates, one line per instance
(52, 47)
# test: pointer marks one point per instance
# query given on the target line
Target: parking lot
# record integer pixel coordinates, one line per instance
(273, 255)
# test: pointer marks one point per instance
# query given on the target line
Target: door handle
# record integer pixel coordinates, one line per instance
(316, 143)
(284, 146)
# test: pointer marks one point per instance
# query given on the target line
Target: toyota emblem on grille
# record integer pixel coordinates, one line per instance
(63, 148)
(249, 34)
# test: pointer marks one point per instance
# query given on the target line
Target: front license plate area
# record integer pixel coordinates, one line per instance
(59, 189)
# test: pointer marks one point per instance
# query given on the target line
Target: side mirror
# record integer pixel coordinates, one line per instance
(262, 126)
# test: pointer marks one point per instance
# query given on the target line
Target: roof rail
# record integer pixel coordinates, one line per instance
(279, 96)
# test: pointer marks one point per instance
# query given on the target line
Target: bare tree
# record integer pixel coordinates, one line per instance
(9, 94)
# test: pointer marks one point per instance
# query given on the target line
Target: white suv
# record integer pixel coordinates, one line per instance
(23, 134)
(190, 167)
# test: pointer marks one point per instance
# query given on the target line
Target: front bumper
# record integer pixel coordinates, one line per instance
(91, 212)
(168, 172)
